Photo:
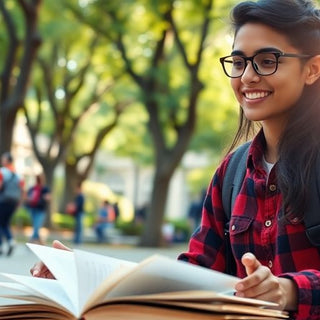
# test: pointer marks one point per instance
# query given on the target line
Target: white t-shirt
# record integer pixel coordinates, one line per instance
(267, 165)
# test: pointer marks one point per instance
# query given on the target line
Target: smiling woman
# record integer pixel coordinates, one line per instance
(280, 85)
(274, 68)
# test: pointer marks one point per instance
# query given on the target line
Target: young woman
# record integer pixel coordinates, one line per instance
(274, 68)
(38, 198)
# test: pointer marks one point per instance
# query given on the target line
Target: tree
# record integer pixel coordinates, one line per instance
(169, 156)
(174, 39)
(65, 116)
(18, 57)
(70, 83)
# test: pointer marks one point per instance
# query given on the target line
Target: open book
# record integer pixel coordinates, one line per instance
(93, 287)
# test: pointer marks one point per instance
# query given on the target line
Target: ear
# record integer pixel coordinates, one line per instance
(313, 70)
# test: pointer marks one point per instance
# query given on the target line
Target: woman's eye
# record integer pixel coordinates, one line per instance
(269, 62)
(238, 64)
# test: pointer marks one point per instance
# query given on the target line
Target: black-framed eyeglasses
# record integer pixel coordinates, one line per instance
(264, 63)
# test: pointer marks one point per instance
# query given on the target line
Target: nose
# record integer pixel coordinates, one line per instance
(249, 74)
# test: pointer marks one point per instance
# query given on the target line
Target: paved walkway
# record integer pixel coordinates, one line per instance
(122, 247)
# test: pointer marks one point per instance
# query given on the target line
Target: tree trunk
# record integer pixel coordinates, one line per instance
(152, 236)
(71, 181)
(48, 171)
(7, 122)
(18, 59)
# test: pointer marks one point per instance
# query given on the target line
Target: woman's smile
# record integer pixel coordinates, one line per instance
(256, 94)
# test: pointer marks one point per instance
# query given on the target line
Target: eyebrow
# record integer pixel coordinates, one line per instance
(268, 49)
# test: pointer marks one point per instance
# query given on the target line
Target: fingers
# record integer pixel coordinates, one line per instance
(261, 284)
(257, 273)
(257, 284)
(35, 270)
(59, 245)
(40, 270)
(250, 262)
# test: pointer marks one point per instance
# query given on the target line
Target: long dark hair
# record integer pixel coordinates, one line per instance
(299, 145)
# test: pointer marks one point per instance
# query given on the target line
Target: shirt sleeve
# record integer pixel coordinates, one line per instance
(207, 245)
(308, 284)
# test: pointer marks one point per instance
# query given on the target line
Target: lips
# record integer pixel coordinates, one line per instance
(256, 94)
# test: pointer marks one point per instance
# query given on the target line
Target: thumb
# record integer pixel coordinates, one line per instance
(250, 262)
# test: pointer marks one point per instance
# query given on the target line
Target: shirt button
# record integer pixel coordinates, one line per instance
(270, 264)
(267, 223)
(272, 187)
(233, 227)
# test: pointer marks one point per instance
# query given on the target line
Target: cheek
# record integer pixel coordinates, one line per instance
(291, 91)
(291, 84)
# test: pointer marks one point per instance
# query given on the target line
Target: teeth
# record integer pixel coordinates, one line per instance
(255, 95)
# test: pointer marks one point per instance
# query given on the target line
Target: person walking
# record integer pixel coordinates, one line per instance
(38, 198)
(78, 214)
(11, 194)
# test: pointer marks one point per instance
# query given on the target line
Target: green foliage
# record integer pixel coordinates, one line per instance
(21, 217)
(68, 30)
(130, 228)
(181, 226)
(198, 178)
(14, 10)
(71, 26)
(62, 221)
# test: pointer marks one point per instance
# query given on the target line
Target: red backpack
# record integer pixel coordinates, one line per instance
(35, 196)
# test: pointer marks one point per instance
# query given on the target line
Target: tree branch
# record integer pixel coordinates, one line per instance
(11, 54)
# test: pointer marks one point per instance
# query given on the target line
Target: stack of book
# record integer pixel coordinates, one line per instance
(89, 286)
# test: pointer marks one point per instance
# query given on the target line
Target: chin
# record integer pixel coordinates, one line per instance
(253, 116)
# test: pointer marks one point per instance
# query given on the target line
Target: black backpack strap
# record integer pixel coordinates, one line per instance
(231, 185)
(312, 213)
(233, 177)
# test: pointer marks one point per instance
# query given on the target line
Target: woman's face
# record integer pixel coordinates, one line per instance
(267, 98)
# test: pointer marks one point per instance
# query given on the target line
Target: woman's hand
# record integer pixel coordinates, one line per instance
(39, 270)
(261, 284)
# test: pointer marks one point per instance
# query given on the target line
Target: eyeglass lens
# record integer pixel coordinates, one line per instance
(264, 63)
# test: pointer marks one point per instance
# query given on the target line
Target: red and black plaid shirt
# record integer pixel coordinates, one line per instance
(257, 226)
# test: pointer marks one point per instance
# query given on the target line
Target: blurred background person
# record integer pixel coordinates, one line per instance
(78, 214)
(195, 211)
(38, 198)
(11, 195)
(105, 220)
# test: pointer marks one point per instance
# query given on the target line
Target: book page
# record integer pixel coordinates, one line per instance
(16, 287)
(79, 271)
(226, 308)
(197, 296)
(93, 269)
(46, 289)
(160, 274)
(133, 311)
(33, 311)
(62, 265)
